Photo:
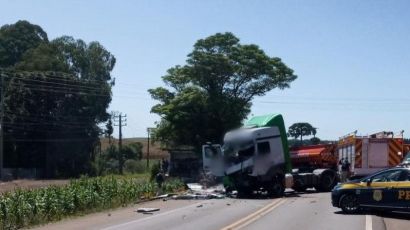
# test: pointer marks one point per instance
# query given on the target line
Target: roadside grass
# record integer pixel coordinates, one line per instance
(24, 208)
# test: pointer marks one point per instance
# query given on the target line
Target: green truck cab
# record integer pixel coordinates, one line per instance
(256, 156)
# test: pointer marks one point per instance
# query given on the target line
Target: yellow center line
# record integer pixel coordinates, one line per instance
(255, 216)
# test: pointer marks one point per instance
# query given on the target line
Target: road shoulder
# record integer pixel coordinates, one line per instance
(116, 216)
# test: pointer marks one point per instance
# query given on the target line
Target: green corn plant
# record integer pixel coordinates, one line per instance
(22, 208)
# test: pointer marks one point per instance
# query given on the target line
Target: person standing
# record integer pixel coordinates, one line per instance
(165, 165)
(159, 178)
(345, 169)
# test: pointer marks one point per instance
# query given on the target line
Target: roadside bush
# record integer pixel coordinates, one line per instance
(155, 168)
(132, 151)
(23, 208)
(111, 166)
(107, 163)
(133, 166)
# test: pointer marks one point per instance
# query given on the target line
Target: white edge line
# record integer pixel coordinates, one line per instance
(369, 223)
(148, 218)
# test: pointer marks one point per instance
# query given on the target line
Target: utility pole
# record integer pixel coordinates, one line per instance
(121, 119)
(2, 127)
(149, 130)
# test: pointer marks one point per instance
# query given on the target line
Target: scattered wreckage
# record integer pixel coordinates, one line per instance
(197, 192)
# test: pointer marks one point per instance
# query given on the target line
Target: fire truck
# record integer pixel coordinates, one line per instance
(371, 153)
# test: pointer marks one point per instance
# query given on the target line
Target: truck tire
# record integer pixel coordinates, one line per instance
(228, 190)
(299, 186)
(299, 189)
(244, 192)
(277, 187)
(327, 182)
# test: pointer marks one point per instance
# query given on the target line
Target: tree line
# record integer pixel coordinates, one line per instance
(56, 93)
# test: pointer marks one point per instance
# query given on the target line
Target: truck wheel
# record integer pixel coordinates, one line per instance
(348, 203)
(228, 190)
(299, 189)
(327, 182)
(276, 189)
(244, 192)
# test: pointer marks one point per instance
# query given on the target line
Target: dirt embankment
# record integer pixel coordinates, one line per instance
(29, 184)
(156, 152)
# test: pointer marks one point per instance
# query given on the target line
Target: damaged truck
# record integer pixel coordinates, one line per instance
(256, 157)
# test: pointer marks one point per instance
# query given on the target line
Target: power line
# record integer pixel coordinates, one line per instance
(52, 140)
(49, 74)
(58, 83)
(35, 121)
(50, 87)
(63, 91)
(71, 79)
(93, 80)
(67, 92)
(47, 116)
(68, 87)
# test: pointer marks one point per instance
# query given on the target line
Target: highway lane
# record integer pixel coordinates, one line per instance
(173, 214)
(308, 212)
(311, 211)
(296, 211)
(210, 214)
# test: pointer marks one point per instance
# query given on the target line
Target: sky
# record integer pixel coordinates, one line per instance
(352, 58)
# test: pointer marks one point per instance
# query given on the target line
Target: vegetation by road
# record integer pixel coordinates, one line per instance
(301, 129)
(213, 92)
(56, 93)
(22, 208)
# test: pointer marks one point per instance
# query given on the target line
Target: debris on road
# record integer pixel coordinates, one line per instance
(200, 206)
(147, 210)
(198, 192)
(163, 196)
(195, 187)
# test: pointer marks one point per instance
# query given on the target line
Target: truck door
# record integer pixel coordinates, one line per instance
(213, 161)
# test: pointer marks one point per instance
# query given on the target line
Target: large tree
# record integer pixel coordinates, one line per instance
(301, 129)
(56, 94)
(212, 93)
(16, 39)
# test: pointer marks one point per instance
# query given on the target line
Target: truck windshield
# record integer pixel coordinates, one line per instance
(240, 149)
(228, 149)
(246, 149)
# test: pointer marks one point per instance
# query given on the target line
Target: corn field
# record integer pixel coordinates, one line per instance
(22, 208)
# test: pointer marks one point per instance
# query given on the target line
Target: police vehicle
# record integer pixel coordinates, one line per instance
(386, 190)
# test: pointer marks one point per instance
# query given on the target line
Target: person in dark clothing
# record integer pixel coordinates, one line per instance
(165, 165)
(159, 178)
(345, 169)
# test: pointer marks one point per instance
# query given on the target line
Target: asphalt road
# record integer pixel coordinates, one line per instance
(296, 211)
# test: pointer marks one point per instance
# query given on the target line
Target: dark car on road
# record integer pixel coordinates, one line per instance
(385, 190)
